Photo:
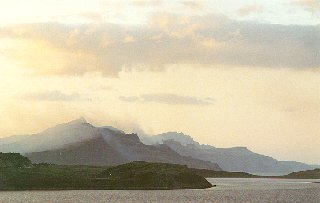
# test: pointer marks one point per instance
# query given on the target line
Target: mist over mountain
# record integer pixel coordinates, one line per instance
(229, 159)
(159, 139)
(80, 143)
(315, 166)
(52, 138)
(11, 139)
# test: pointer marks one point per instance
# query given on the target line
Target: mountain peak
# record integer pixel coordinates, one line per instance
(80, 120)
(64, 126)
(176, 136)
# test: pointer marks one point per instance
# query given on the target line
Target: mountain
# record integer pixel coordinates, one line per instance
(229, 159)
(158, 139)
(80, 143)
(11, 139)
(113, 128)
(52, 138)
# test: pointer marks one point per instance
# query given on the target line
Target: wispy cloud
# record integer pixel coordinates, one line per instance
(92, 16)
(129, 99)
(172, 99)
(249, 9)
(310, 5)
(50, 96)
(146, 2)
(193, 4)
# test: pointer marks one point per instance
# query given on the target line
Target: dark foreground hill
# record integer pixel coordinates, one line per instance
(13, 160)
(309, 174)
(144, 175)
(131, 176)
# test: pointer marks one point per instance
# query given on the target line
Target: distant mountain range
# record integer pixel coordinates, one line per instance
(229, 159)
(80, 143)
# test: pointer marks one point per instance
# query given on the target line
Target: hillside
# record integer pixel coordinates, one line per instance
(80, 143)
(229, 159)
(102, 152)
(144, 175)
(159, 139)
(137, 175)
(13, 160)
(309, 174)
(53, 138)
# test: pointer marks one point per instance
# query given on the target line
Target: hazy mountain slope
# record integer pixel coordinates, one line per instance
(91, 152)
(79, 142)
(12, 139)
(112, 148)
(112, 128)
(158, 139)
(230, 159)
(53, 138)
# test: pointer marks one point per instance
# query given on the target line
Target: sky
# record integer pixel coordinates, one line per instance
(228, 73)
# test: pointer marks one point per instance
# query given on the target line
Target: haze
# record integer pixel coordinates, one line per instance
(231, 73)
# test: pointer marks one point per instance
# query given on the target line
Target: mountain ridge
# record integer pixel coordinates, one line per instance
(80, 143)
(230, 159)
(131, 147)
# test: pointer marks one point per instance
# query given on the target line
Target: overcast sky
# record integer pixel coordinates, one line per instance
(229, 73)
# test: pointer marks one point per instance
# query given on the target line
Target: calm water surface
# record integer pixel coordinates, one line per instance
(227, 190)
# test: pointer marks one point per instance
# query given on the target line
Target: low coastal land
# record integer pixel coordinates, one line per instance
(18, 173)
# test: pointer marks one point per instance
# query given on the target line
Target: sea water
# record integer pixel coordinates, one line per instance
(227, 190)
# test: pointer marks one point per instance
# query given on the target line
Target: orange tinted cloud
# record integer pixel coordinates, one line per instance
(166, 40)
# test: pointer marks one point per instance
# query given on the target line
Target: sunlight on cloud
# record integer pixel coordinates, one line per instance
(44, 59)
(199, 4)
(168, 39)
(50, 96)
(249, 9)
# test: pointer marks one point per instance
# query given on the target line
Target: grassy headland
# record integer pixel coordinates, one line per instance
(18, 173)
(309, 174)
(135, 175)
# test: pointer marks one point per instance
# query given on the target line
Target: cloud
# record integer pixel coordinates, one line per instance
(146, 2)
(50, 96)
(129, 99)
(310, 5)
(193, 4)
(92, 16)
(249, 9)
(210, 41)
(172, 99)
